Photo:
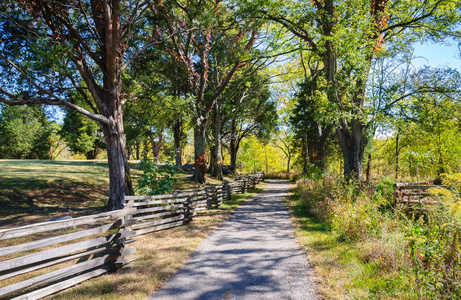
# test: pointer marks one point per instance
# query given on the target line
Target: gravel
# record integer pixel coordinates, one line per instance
(253, 255)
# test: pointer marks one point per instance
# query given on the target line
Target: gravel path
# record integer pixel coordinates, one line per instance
(253, 255)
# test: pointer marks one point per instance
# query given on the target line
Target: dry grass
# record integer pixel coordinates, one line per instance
(159, 256)
(282, 175)
(368, 269)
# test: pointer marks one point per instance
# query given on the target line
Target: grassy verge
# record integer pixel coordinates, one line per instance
(159, 256)
(345, 270)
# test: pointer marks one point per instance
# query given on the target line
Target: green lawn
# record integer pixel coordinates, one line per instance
(37, 190)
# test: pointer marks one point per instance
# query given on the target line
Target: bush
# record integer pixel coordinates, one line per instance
(316, 197)
(356, 219)
(435, 242)
(156, 179)
(281, 175)
(425, 251)
(352, 212)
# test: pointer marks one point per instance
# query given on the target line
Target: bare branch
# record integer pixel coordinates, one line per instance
(57, 102)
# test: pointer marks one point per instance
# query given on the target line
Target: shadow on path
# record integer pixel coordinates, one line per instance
(253, 255)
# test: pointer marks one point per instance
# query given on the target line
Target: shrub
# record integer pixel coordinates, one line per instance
(356, 219)
(425, 251)
(316, 197)
(434, 245)
(281, 175)
(156, 179)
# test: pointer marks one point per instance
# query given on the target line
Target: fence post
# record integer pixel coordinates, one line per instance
(219, 195)
(228, 190)
(209, 191)
(122, 263)
(188, 210)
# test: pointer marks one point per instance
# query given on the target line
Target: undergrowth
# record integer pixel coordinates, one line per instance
(365, 246)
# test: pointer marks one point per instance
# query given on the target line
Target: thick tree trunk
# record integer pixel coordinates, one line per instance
(177, 135)
(200, 148)
(353, 144)
(119, 176)
(306, 159)
(319, 157)
(156, 146)
(233, 157)
(216, 170)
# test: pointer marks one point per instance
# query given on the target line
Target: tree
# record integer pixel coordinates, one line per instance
(248, 110)
(25, 132)
(50, 48)
(425, 123)
(81, 134)
(201, 28)
(346, 37)
(311, 120)
(153, 81)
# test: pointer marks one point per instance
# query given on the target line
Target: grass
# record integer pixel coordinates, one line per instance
(33, 191)
(158, 256)
(344, 269)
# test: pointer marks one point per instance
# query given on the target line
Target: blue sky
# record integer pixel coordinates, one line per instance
(436, 55)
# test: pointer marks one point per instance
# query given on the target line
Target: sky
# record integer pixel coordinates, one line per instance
(436, 55)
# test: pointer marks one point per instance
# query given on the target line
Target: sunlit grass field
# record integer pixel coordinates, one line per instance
(36, 190)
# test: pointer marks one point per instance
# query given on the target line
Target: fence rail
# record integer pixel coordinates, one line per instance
(411, 193)
(41, 259)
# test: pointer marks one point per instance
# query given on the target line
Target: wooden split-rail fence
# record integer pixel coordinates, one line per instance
(41, 259)
(413, 193)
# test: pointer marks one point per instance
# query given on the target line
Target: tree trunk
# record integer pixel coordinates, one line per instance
(199, 149)
(177, 135)
(233, 147)
(369, 168)
(93, 153)
(305, 148)
(156, 146)
(397, 154)
(216, 170)
(119, 174)
(138, 149)
(322, 134)
(267, 165)
(288, 164)
(352, 144)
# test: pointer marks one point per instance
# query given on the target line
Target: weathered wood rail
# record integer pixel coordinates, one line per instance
(411, 193)
(41, 259)
(98, 247)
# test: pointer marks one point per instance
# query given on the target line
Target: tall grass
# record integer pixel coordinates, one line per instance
(409, 254)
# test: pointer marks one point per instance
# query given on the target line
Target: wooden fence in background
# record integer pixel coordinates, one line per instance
(41, 259)
(411, 193)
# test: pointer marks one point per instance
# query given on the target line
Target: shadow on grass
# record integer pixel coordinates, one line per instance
(34, 200)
